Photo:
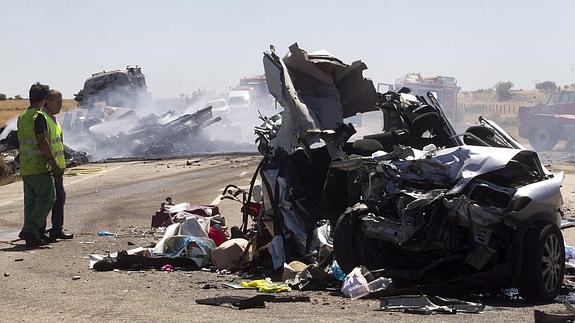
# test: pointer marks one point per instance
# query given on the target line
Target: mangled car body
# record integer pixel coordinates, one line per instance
(115, 131)
(415, 201)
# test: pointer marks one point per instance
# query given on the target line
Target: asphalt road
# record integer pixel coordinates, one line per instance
(39, 285)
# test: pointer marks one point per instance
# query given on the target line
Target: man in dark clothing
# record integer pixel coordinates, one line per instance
(43, 125)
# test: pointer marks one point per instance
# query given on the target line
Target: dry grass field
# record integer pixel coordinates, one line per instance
(12, 108)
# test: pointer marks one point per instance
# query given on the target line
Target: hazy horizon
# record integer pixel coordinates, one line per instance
(184, 45)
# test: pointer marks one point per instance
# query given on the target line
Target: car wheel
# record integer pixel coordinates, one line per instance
(349, 244)
(541, 275)
(543, 138)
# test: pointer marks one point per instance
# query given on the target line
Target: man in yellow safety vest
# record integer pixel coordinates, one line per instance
(37, 161)
(51, 109)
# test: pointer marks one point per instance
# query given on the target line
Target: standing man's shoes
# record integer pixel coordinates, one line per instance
(48, 239)
(31, 240)
(62, 236)
(35, 243)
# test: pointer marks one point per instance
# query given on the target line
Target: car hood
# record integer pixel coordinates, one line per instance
(451, 168)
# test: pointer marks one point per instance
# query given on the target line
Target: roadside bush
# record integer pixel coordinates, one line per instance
(502, 90)
(2, 96)
(546, 86)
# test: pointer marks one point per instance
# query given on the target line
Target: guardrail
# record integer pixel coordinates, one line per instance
(491, 109)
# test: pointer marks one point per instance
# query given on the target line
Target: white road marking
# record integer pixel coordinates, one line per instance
(67, 184)
(74, 182)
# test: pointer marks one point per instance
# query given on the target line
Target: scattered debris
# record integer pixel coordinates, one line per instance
(6, 274)
(168, 268)
(422, 304)
(244, 302)
(19, 259)
(187, 242)
(266, 286)
(76, 277)
(87, 242)
(360, 283)
(236, 286)
(231, 254)
(208, 286)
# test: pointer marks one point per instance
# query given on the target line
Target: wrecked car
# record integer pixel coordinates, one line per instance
(415, 201)
(112, 131)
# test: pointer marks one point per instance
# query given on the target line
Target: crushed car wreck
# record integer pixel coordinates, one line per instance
(123, 133)
(415, 202)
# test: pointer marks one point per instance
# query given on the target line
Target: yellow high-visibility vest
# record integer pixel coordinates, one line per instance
(32, 160)
(55, 137)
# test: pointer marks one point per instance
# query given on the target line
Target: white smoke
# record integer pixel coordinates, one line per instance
(114, 132)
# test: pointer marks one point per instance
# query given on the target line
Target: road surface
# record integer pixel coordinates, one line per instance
(39, 285)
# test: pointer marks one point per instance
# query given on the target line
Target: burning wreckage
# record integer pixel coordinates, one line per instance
(108, 124)
(115, 131)
(94, 133)
(416, 203)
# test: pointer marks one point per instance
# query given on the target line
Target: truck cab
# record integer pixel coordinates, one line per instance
(239, 99)
(546, 123)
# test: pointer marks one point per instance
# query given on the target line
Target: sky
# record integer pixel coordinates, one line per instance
(187, 45)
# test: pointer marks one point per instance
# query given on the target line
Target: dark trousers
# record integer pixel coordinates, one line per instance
(58, 208)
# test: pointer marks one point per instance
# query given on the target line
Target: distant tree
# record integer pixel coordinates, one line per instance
(502, 90)
(546, 86)
(17, 97)
(2, 96)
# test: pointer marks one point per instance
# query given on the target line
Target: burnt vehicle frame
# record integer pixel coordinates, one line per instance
(433, 205)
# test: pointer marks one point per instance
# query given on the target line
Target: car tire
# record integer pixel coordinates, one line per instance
(543, 138)
(543, 267)
(348, 243)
